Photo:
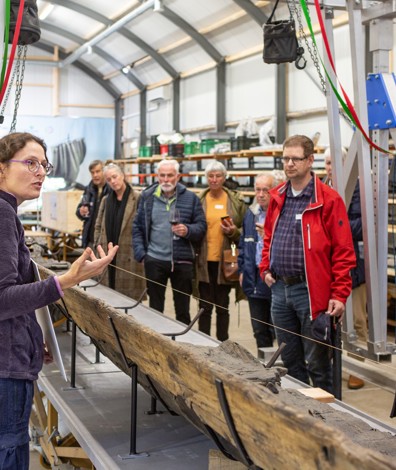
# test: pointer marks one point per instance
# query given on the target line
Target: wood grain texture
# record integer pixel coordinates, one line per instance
(278, 430)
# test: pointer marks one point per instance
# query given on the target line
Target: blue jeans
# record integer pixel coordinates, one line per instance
(302, 357)
(16, 398)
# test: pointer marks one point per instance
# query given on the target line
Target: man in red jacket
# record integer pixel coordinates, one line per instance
(307, 257)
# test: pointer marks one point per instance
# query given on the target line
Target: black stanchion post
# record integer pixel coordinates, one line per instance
(73, 356)
(134, 383)
(337, 362)
(132, 448)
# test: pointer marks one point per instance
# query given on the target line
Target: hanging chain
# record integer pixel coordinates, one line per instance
(314, 54)
(296, 9)
(20, 73)
(7, 95)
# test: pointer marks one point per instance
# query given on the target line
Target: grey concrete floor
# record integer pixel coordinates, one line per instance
(373, 399)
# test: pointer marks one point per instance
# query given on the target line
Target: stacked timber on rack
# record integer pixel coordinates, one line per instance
(277, 428)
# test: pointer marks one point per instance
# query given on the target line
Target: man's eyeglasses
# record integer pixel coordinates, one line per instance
(34, 165)
(294, 160)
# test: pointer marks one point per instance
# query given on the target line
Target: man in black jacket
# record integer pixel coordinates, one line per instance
(169, 221)
(87, 209)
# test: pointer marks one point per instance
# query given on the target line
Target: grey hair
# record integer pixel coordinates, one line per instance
(174, 163)
(263, 175)
(327, 153)
(215, 166)
(279, 176)
(113, 166)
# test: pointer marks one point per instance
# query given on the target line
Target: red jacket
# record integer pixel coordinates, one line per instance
(328, 247)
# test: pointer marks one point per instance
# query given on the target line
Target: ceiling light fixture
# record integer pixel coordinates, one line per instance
(126, 69)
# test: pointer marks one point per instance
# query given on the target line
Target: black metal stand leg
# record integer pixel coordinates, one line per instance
(97, 357)
(217, 441)
(157, 397)
(277, 353)
(132, 447)
(244, 458)
(393, 411)
(134, 383)
(188, 328)
(73, 356)
(337, 364)
(73, 359)
(153, 407)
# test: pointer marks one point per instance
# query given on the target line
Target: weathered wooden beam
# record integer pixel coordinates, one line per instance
(278, 430)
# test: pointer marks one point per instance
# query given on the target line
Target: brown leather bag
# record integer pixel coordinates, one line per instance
(230, 264)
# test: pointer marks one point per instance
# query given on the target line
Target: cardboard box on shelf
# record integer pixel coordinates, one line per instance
(59, 211)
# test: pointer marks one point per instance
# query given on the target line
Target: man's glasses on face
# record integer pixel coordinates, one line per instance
(294, 160)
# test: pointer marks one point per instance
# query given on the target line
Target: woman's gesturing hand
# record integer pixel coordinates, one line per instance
(87, 266)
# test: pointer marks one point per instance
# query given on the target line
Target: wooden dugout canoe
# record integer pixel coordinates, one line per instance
(278, 430)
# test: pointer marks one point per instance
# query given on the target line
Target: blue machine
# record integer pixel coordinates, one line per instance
(381, 100)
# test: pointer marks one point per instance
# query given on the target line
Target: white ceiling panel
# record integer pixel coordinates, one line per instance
(203, 13)
(110, 8)
(149, 72)
(245, 34)
(123, 83)
(155, 30)
(121, 49)
(75, 22)
(97, 62)
(188, 57)
(58, 40)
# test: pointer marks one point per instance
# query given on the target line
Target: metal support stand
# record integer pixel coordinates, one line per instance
(244, 458)
(134, 382)
(274, 358)
(393, 411)
(155, 398)
(153, 408)
(217, 441)
(97, 357)
(139, 301)
(73, 359)
(337, 363)
(188, 328)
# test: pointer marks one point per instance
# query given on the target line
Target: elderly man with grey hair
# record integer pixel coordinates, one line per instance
(169, 223)
(250, 249)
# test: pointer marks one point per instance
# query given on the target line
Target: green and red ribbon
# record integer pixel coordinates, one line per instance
(4, 82)
(347, 104)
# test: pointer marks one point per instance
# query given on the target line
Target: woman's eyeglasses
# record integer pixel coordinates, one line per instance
(34, 165)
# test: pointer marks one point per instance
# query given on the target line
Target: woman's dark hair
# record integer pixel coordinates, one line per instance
(12, 143)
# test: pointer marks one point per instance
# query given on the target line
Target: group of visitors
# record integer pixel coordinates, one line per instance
(296, 253)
